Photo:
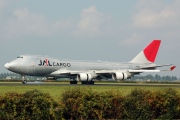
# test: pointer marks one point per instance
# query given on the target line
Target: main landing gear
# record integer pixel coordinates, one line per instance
(88, 82)
(83, 82)
(73, 82)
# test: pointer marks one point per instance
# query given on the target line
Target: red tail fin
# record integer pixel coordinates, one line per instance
(151, 50)
(148, 55)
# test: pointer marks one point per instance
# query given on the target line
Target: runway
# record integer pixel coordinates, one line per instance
(96, 84)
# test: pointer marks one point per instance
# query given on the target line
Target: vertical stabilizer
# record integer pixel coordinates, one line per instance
(148, 55)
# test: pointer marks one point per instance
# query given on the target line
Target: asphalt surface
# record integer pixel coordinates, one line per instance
(96, 84)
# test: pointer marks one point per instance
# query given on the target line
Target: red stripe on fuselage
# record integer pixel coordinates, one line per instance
(46, 62)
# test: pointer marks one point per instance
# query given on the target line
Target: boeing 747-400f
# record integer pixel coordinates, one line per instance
(87, 71)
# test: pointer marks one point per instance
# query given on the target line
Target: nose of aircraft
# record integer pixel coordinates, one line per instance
(6, 65)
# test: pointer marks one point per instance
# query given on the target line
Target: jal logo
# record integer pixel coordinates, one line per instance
(46, 62)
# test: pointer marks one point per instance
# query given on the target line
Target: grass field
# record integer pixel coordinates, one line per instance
(56, 91)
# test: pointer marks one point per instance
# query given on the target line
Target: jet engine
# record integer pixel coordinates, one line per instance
(119, 76)
(84, 77)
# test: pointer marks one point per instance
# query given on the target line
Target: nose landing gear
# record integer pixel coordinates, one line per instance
(23, 80)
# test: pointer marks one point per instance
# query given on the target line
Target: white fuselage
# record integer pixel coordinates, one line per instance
(44, 66)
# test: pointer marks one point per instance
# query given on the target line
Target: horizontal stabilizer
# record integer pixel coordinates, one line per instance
(155, 66)
(140, 71)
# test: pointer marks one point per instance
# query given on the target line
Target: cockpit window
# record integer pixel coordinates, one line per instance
(19, 57)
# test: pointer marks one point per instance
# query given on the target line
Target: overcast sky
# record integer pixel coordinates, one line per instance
(112, 30)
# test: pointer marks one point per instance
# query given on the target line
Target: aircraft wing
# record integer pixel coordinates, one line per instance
(154, 66)
(135, 71)
(60, 72)
(105, 74)
(143, 70)
(63, 72)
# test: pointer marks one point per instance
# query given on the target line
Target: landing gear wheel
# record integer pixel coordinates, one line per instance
(91, 82)
(73, 82)
(24, 82)
(88, 82)
(23, 79)
(84, 82)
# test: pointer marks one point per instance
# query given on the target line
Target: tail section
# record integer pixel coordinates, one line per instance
(148, 55)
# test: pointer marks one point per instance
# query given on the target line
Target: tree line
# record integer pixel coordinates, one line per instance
(155, 78)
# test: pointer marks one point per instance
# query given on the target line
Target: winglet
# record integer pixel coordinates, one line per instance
(172, 68)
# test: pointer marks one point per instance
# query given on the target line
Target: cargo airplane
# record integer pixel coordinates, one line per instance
(86, 71)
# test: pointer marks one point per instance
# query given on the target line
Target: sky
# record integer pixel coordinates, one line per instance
(90, 30)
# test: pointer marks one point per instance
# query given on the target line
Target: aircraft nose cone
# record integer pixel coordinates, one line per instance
(6, 65)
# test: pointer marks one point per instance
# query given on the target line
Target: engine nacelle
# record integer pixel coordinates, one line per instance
(119, 76)
(84, 77)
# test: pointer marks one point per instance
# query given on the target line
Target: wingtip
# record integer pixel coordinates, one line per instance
(172, 68)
